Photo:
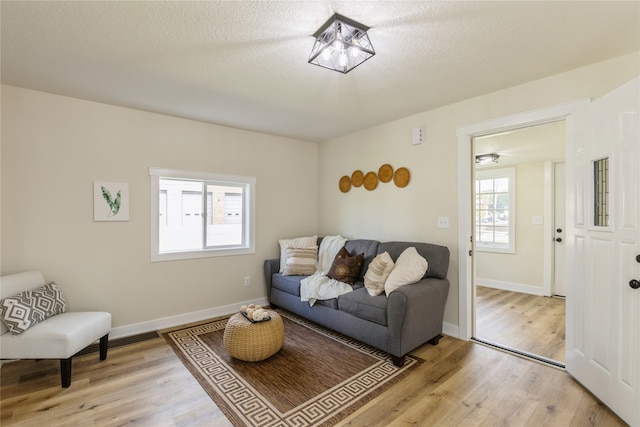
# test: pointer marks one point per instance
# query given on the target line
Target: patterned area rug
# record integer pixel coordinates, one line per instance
(317, 378)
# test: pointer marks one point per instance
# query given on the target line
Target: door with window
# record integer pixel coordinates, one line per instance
(603, 257)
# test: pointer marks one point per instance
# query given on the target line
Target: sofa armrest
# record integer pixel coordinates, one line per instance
(271, 266)
(415, 314)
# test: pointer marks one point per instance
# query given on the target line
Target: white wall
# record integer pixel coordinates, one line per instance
(54, 147)
(411, 213)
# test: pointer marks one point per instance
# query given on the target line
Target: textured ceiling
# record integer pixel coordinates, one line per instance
(244, 63)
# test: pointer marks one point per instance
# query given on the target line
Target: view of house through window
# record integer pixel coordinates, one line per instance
(495, 209)
(189, 220)
(209, 216)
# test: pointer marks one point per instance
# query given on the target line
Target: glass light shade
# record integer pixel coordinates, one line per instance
(341, 45)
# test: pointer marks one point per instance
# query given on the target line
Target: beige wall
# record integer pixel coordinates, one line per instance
(54, 147)
(411, 213)
(525, 266)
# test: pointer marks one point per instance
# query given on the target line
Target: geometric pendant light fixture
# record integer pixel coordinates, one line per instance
(341, 45)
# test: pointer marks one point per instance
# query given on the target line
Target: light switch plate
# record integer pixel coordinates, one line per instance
(537, 220)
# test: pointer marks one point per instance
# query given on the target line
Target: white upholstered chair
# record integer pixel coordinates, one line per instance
(57, 337)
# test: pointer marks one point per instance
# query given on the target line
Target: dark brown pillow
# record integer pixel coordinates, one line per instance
(346, 268)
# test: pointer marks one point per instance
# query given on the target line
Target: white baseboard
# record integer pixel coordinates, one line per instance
(180, 319)
(450, 329)
(210, 313)
(510, 286)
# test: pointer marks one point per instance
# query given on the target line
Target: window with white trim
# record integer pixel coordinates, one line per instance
(199, 214)
(495, 210)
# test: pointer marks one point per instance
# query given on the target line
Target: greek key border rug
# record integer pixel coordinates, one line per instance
(318, 378)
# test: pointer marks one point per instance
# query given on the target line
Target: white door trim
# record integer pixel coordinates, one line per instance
(465, 167)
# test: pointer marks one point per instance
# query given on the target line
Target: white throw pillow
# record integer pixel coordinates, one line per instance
(377, 273)
(297, 242)
(410, 267)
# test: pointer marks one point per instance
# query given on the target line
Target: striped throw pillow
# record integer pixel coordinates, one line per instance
(377, 273)
(300, 261)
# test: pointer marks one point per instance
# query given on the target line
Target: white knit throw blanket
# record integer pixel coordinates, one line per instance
(319, 286)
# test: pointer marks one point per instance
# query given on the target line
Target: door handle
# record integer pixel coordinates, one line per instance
(558, 239)
(638, 258)
(635, 284)
(559, 230)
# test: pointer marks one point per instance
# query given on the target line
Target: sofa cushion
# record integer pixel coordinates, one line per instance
(28, 308)
(346, 268)
(362, 305)
(300, 261)
(288, 284)
(296, 242)
(410, 267)
(437, 256)
(331, 303)
(377, 273)
(363, 246)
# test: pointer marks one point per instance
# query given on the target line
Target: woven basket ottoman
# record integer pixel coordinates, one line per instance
(253, 342)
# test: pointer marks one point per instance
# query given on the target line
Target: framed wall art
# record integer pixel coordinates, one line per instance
(110, 201)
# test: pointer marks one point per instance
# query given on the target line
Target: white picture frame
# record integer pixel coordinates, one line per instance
(110, 201)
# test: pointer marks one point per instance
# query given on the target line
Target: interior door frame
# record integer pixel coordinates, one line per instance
(466, 166)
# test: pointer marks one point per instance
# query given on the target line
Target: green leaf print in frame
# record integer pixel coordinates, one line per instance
(110, 201)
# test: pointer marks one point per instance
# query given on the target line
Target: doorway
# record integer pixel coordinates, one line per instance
(465, 173)
(516, 213)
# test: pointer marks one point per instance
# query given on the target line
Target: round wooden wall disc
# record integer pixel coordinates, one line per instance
(385, 173)
(401, 177)
(356, 178)
(370, 181)
(344, 184)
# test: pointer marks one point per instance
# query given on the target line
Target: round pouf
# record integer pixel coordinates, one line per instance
(253, 342)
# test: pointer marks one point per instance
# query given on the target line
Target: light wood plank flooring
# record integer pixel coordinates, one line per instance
(144, 384)
(530, 323)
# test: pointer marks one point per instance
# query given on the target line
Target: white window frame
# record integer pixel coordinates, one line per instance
(510, 247)
(246, 247)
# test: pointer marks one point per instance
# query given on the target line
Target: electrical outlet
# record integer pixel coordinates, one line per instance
(443, 222)
(247, 280)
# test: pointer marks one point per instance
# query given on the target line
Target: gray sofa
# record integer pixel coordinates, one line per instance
(409, 317)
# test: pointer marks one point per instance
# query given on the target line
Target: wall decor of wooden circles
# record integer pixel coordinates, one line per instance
(356, 178)
(345, 184)
(370, 181)
(385, 173)
(400, 177)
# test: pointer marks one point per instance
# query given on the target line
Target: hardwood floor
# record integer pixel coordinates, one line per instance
(144, 384)
(530, 323)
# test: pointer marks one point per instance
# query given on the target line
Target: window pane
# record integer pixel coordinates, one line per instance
(485, 234)
(494, 207)
(501, 185)
(486, 186)
(502, 217)
(182, 228)
(226, 226)
(501, 234)
(486, 201)
(502, 201)
(601, 192)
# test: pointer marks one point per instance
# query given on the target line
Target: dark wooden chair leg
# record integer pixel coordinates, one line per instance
(104, 344)
(435, 340)
(398, 360)
(65, 372)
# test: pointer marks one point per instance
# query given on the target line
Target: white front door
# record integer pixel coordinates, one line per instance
(559, 230)
(603, 309)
